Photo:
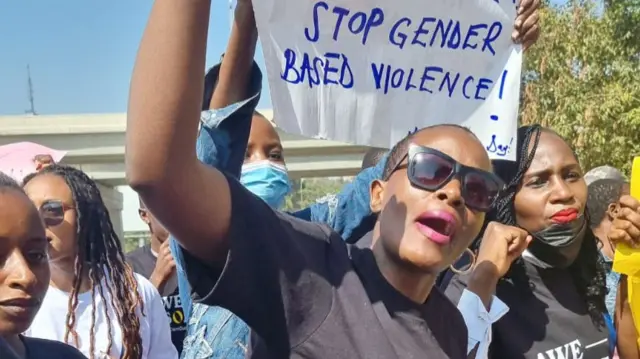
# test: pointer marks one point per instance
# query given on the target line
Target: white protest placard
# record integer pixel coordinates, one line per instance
(369, 72)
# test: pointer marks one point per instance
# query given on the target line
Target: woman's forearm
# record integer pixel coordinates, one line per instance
(627, 334)
(236, 67)
(162, 127)
(166, 91)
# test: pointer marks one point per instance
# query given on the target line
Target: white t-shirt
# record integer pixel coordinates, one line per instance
(50, 322)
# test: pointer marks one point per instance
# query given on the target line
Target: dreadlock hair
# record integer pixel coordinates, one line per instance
(100, 251)
(399, 151)
(588, 270)
(602, 193)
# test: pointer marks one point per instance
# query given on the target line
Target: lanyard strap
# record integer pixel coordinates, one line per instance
(613, 336)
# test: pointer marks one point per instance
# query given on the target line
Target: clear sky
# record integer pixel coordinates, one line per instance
(81, 53)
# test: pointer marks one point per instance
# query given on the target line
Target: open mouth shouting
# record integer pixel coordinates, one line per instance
(438, 226)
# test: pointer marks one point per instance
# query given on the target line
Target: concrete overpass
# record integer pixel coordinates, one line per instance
(95, 144)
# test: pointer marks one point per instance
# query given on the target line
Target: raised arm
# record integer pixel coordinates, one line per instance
(235, 70)
(237, 84)
(162, 126)
(228, 105)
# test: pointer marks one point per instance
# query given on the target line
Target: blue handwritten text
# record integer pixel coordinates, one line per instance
(499, 149)
(438, 32)
(430, 79)
(358, 23)
(331, 69)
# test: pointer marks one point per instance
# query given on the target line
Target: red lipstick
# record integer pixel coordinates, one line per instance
(565, 216)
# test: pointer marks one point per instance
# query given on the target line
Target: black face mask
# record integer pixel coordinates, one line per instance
(558, 246)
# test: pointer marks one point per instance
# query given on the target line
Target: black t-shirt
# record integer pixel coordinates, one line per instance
(548, 322)
(143, 261)
(307, 294)
(48, 349)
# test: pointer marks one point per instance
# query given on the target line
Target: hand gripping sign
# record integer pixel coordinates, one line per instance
(369, 72)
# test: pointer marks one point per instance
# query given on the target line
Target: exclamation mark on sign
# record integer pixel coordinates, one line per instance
(502, 80)
(500, 91)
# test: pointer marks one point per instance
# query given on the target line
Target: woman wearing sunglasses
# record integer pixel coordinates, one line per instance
(556, 290)
(302, 290)
(24, 277)
(94, 302)
(305, 293)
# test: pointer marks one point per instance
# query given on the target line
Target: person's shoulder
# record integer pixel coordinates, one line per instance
(140, 251)
(444, 308)
(140, 261)
(442, 312)
(253, 218)
(50, 349)
(152, 301)
(137, 256)
(451, 285)
(147, 290)
(248, 208)
(302, 227)
(437, 298)
(140, 254)
(315, 242)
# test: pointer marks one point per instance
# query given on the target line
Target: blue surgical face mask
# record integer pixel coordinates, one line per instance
(267, 180)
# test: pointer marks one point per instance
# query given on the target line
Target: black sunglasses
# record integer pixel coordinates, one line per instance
(52, 212)
(430, 170)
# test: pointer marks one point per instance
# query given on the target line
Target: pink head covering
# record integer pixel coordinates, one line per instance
(18, 159)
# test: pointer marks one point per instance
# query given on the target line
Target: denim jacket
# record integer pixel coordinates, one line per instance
(613, 279)
(214, 332)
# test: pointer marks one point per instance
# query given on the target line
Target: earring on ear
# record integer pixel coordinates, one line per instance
(466, 268)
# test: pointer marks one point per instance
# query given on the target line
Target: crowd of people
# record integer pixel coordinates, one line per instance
(432, 251)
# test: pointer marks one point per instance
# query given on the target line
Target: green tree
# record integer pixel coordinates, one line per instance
(131, 240)
(625, 15)
(308, 191)
(582, 79)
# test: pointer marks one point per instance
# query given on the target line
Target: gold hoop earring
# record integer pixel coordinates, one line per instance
(468, 267)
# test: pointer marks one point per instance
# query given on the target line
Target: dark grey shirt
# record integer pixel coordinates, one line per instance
(306, 294)
(550, 321)
(143, 262)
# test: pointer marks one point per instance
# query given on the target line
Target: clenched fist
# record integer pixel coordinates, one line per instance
(500, 246)
(43, 161)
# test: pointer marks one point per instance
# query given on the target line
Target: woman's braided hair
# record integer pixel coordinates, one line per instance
(100, 252)
(588, 270)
